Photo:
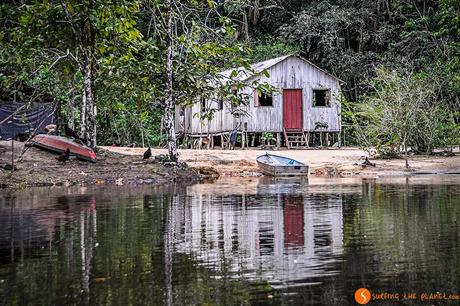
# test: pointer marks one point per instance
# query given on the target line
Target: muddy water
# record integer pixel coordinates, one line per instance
(255, 241)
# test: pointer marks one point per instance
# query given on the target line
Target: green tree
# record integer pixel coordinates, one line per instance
(402, 113)
(70, 41)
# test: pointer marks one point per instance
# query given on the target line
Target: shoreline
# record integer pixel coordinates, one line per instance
(124, 166)
(39, 168)
(344, 162)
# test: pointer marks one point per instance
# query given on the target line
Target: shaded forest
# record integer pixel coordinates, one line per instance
(105, 63)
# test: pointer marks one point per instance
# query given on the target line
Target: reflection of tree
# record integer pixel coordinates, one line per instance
(403, 236)
(168, 257)
(39, 236)
(87, 242)
(135, 261)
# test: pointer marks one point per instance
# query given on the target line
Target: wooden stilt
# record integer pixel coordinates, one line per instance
(222, 141)
(278, 140)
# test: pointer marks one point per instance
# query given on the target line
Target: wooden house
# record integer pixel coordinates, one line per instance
(303, 110)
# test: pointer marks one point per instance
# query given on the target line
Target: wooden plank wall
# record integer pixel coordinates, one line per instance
(290, 73)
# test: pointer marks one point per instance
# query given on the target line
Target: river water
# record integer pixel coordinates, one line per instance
(234, 242)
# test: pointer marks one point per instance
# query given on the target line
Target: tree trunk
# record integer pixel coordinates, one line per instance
(405, 153)
(88, 127)
(169, 101)
(71, 108)
(88, 107)
(246, 27)
(83, 114)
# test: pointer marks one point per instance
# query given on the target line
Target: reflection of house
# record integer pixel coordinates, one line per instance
(278, 237)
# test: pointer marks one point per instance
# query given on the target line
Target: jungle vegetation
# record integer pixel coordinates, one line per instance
(117, 68)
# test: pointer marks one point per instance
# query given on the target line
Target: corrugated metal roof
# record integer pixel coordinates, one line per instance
(244, 74)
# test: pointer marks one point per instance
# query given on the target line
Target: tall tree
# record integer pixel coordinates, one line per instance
(70, 40)
(198, 42)
(169, 97)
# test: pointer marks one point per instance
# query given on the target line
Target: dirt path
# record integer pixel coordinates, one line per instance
(332, 162)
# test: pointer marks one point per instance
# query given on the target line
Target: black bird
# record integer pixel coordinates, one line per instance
(70, 133)
(64, 156)
(148, 153)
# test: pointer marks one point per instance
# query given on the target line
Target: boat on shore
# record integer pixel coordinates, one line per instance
(59, 144)
(275, 165)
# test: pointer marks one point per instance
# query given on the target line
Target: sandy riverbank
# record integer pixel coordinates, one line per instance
(332, 162)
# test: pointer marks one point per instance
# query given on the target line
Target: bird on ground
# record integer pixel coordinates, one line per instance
(64, 156)
(148, 153)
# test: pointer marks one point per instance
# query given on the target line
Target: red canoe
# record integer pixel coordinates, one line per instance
(60, 144)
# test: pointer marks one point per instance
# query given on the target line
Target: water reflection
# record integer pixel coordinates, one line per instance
(251, 242)
(31, 224)
(278, 237)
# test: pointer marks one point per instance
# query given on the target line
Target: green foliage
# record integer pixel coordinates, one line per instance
(268, 48)
(40, 58)
(319, 125)
(449, 131)
(404, 113)
(268, 138)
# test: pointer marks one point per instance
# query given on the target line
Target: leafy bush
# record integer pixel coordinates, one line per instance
(403, 113)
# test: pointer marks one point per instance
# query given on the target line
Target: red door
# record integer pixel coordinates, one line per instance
(292, 109)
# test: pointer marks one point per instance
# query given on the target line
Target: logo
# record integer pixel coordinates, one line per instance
(362, 296)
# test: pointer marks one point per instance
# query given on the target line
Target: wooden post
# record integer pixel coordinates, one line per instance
(222, 140)
(278, 140)
(212, 141)
(242, 140)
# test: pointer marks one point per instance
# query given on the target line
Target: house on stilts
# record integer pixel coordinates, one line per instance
(302, 111)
